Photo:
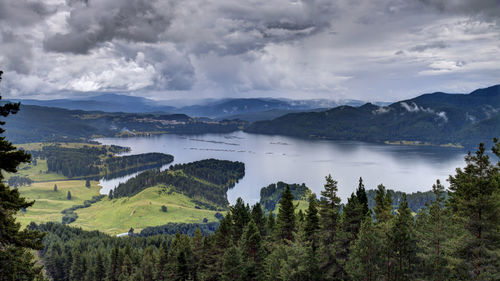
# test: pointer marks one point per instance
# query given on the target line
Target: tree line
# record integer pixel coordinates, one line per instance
(452, 239)
(205, 180)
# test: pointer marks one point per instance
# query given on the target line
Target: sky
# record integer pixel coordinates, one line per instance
(382, 50)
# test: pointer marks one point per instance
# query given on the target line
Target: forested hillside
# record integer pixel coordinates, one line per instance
(96, 161)
(454, 239)
(38, 123)
(438, 118)
(205, 180)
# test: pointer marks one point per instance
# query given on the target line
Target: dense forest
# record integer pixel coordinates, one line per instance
(271, 194)
(456, 238)
(206, 180)
(92, 161)
(436, 118)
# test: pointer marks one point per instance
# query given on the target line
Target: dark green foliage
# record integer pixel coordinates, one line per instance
(69, 214)
(362, 197)
(55, 187)
(403, 243)
(17, 181)
(182, 228)
(49, 124)
(16, 261)
(68, 195)
(474, 200)
(286, 215)
(443, 243)
(271, 195)
(396, 122)
(164, 208)
(416, 200)
(209, 179)
(86, 161)
(312, 226)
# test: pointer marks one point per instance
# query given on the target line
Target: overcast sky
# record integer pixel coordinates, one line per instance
(382, 50)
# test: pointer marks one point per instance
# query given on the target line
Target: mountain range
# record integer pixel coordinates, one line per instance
(437, 118)
(248, 109)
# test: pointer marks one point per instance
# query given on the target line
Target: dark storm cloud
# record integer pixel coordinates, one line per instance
(94, 22)
(23, 12)
(231, 27)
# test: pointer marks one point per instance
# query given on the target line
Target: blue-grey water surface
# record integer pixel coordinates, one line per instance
(269, 159)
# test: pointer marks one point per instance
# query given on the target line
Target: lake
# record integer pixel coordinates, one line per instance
(269, 159)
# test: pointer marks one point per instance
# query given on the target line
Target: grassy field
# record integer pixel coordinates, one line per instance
(141, 210)
(36, 172)
(49, 204)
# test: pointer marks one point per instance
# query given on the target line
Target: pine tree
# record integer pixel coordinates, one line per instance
(361, 196)
(87, 183)
(271, 223)
(312, 227)
(432, 235)
(110, 194)
(147, 265)
(329, 210)
(364, 263)
(114, 266)
(259, 218)
(329, 207)
(15, 259)
(474, 196)
(286, 215)
(383, 205)
(162, 273)
(403, 243)
(55, 187)
(252, 253)
(241, 216)
(68, 196)
(231, 265)
(99, 270)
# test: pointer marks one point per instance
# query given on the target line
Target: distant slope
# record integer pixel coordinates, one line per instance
(105, 102)
(436, 118)
(233, 108)
(37, 123)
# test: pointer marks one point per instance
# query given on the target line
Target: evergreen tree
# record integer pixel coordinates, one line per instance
(114, 266)
(312, 227)
(110, 195)
(329, 207)
(252, 253)
(55, 187)
(361, 196)
(241, 216)
(383, 205)
(68, 196)
(364, 262)
(286, 215)
(329, 210)
(147, 265)
(231, 265)
(16, 262)
(259, 218)
(87, 183)
(432, 228)
(474, 196)
(403, 243)
(270, 224)
(99, 270)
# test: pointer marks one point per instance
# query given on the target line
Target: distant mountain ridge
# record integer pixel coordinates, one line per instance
(245, 108)
(436, 118)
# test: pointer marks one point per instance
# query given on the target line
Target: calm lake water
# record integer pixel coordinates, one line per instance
(269, 159)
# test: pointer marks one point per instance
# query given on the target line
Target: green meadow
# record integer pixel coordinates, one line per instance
(141, 210)
(49, 203)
